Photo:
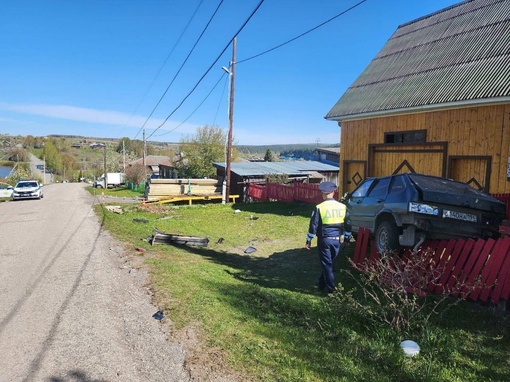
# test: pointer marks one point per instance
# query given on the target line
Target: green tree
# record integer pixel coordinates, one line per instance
(136, 174)
(134, 147)
(69, 165)
(52, 156)
(269, 157)
(200, 151)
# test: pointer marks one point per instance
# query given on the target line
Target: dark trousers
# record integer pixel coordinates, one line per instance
(328, 251)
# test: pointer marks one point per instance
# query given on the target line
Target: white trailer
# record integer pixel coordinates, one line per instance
(113, 179)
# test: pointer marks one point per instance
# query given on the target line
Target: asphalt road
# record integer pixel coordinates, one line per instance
(71, 307)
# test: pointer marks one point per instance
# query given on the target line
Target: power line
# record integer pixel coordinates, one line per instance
(183, 63)
(209, 69)
(166, 60)
(303, 34)
(247, 59)
(194, 111)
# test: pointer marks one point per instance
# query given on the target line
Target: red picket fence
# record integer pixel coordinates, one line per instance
(483, 264)
(304, 192)
(257, 192)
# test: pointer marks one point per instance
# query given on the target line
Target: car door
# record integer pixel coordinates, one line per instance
(366, 202)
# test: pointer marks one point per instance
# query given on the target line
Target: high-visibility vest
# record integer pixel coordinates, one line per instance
(332, 212)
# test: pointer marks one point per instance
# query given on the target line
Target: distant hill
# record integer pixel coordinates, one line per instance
(249, 152)
(290, 151)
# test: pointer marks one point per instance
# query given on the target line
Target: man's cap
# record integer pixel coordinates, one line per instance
(327, 187)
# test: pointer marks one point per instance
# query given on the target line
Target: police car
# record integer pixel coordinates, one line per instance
(27, 189)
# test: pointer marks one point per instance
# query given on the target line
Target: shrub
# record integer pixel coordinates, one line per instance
(394, 290)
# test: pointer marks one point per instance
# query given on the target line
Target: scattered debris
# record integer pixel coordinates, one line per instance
(141, 250)
(237, 211)
(250, 250)
(159, 237)
(115, 209)
(253, 217)
(139, 220)
(166, 218)
(410, 348)
(220, 240)
(159, 315)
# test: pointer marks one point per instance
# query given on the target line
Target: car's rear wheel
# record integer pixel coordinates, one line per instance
(386, 237)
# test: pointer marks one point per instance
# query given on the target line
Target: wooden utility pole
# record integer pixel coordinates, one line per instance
(230, 119)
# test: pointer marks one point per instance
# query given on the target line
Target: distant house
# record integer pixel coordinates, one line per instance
(330, 155)
(434, 100)
(157, 165)
(300, 171)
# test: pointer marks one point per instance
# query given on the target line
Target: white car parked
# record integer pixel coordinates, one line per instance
(27, 189)
(6, 190)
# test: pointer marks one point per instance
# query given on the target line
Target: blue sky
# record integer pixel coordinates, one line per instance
(113, 68)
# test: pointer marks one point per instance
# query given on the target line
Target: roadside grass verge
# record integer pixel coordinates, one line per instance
(119, 192)
(262, 313)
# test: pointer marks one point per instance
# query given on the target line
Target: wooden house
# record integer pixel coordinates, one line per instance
(434, 100)
(156, 166)
(329, 155)
(303, 171)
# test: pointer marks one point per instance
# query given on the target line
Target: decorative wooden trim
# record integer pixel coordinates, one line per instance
(345, 169)
(488, 171)
(443, 149)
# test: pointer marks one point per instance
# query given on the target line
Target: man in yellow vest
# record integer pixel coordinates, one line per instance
(331, 224)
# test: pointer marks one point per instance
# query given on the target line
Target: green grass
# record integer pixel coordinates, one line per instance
(121, 192)
(263, 312)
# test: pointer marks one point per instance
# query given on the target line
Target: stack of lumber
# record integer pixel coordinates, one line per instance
(164, 188)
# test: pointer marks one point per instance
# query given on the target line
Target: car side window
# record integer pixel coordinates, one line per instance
(362, 190)
(380, 188)
(397, 185)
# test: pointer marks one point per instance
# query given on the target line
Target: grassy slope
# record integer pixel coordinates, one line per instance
(263, 313)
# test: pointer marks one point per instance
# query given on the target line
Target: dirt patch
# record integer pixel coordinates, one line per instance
(202, 364)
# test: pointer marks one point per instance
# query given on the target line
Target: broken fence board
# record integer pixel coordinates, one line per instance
(504, 292)
(493, 266)
(469, 275)
(361, 245)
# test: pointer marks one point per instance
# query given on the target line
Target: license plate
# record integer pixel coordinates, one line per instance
(459, 216)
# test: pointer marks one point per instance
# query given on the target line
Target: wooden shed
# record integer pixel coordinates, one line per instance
(303, 171)
(435, 100)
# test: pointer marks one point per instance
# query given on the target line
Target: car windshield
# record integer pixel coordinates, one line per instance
(27, 184)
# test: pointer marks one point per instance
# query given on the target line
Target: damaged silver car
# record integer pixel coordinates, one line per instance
(406, 209)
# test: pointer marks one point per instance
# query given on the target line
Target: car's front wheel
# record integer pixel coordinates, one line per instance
(386, 237)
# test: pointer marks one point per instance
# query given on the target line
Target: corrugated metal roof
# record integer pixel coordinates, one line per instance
(457, 55)
(276, 168)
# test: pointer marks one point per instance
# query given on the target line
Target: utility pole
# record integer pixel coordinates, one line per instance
(105, 178)
(144, 149)
(232, 72)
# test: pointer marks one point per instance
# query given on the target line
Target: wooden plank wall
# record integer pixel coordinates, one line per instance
(471, 131)
(160, 188)
(476, 269)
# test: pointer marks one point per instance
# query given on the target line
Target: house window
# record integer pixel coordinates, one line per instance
(414, 136)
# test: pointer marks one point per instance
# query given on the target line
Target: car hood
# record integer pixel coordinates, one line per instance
(446, 191)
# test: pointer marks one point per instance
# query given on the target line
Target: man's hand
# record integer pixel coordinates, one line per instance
(308, 245)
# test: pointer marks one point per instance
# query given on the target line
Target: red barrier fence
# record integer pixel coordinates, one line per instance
(303, 192)
(257, 192)
(483, 264)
